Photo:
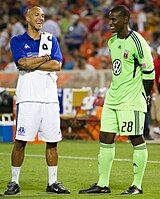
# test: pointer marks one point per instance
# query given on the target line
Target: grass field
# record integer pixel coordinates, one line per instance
(78, 169)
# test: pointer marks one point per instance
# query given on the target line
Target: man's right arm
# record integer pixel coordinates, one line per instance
(43, 63)
(32, 63)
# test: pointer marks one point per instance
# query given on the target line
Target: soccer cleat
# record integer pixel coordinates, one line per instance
(133, 190)
(57, 187)
(95, 189)
(13, 188)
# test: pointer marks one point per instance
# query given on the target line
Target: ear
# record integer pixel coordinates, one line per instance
(27, 18)
(126, 19)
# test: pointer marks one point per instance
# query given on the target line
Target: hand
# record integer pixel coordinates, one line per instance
(148, 100)
(47, 57)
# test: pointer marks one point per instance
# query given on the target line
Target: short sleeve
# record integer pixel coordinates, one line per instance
(145, 58)
(16, 49)
(56, 51)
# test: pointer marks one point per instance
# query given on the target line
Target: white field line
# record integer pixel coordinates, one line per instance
(80, 158)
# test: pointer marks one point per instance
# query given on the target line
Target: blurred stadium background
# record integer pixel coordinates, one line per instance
(81, 27)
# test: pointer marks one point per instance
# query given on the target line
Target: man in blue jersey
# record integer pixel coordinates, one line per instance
(37, 56)
(126, 100)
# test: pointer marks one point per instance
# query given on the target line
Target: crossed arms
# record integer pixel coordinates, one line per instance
(43, 63)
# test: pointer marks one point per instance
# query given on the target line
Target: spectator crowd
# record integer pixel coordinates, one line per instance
(81, 26)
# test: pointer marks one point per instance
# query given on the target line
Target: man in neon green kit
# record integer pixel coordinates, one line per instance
(126, 100)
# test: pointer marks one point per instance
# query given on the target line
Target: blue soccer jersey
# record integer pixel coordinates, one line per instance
(36, 85)
(25, 46)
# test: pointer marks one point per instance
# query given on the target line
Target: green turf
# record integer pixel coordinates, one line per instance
(78, 169)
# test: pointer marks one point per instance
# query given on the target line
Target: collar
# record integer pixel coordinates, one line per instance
(130, 32)
(26, 35)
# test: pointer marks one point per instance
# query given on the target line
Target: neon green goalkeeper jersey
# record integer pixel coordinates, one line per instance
(132, 62)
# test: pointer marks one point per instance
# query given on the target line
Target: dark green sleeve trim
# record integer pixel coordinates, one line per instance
(148, 72)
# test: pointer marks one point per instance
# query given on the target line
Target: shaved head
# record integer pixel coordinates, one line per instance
(35, 18)
(32, 10)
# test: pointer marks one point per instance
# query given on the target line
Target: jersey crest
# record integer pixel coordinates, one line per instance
(126, 53)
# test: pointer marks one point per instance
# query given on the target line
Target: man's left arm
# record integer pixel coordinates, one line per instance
(147, 70)
(148, 85)
(55, 58)
(51, 65)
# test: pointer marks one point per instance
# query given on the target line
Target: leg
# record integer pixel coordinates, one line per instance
(17, 160)
(107, 138)
(105, 160)
(18, 153)
(27, 124)
(139, 159)
(52, 160)
(107, 146)
(109, 127)
(51, 133)
(51, 154)
(105, 157)
(140, 156)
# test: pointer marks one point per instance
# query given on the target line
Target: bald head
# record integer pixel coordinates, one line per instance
(33, 10)
(35, 18)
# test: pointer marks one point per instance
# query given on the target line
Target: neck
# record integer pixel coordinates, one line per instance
(124, 33)
(33, 33)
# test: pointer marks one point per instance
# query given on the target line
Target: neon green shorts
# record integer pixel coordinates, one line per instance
(122, 122)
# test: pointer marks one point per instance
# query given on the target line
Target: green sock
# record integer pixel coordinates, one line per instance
(140, 157)
(105, 160)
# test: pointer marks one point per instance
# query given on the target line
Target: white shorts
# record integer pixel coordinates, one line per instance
(41, 118)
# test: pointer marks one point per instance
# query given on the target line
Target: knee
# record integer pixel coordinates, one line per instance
(137, 139)
(51, 145)
(20, 145)
(107, 138)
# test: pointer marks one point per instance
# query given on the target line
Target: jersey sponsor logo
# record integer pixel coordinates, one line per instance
(21, 131)
(26, 46)
(117, 67)
(119, 46)
(126, 53)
